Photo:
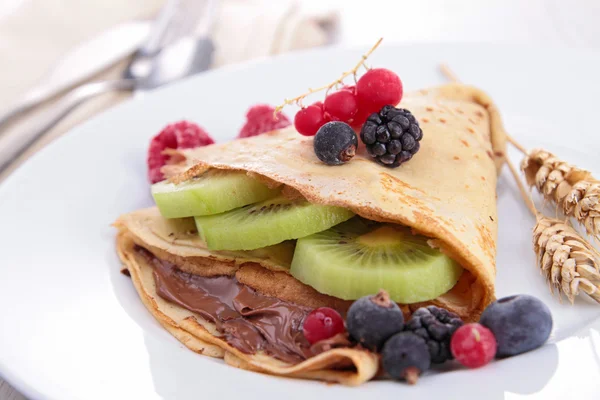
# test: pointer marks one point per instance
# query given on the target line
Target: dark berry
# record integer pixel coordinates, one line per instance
(392, 136)
(341, 106)
(309, 119)
(322, 323)
(261, 118)
(436, 326)
(520, 323)
(394, 147)
(371, 320)
(335, 143)
(180, 135)
(383, 135)
(473, 345)
(405, 356)
(369, 132)
(377, 88)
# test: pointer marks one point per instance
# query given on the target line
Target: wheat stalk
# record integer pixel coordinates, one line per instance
(567, 261)
(573, 189)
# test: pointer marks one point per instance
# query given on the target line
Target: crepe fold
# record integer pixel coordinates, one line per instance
(447, 192)
(177, 242)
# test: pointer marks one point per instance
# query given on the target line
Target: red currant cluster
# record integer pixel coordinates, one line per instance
(352, 104)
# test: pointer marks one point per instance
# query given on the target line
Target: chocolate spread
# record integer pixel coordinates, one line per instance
(248, 320)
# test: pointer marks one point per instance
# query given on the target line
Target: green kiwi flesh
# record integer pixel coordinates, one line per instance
(267, 223)
(214, 192)
(358, 258)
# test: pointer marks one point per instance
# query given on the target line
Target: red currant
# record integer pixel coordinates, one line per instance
(378, 87)
(349, 88)
(473, 345)
(341, 106)
(360, 118)
(322, 323)
(308, 120)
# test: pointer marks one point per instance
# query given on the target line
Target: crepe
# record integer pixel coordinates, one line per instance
(168, 238)
(446, 192)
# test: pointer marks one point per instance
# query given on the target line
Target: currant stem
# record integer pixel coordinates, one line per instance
(298, 100)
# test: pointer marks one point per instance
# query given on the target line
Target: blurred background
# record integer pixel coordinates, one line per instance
(49, 47)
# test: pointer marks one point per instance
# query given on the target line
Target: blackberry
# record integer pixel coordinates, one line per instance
(392, 136)
(436, 326)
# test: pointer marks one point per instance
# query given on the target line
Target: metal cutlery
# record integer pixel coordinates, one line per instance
(172, 51)
(81, 63)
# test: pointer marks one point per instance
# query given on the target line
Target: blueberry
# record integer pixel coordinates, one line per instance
(405, 356)
(520, 323)
(335, 143)
(371, 320)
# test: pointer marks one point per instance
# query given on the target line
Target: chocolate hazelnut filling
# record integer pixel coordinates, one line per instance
(248, 320)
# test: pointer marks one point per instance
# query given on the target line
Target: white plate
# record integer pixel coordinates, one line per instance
(73, 327)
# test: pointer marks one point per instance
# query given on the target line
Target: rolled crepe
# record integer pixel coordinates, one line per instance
(446, 192)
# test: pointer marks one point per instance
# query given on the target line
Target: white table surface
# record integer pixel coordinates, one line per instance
(536, 22)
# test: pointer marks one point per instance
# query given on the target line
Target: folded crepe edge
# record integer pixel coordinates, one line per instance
(423, 224)
(498, 136)
(196, 337)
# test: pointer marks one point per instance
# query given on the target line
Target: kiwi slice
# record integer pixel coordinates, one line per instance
(357, 258)
(214, 192)
(267, 223)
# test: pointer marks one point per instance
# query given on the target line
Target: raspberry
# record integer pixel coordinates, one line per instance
(179, 135)
(341, 106)
(473, 345)
(309, 119)
(378, 87)
(322, 323)
(260, 119)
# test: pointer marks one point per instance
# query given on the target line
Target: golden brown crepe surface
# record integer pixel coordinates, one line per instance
(446, 192)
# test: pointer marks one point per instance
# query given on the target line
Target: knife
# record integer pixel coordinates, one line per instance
(81, 63)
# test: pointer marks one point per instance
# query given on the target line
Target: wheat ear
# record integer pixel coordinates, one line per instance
(573, 189)
(567, 261)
